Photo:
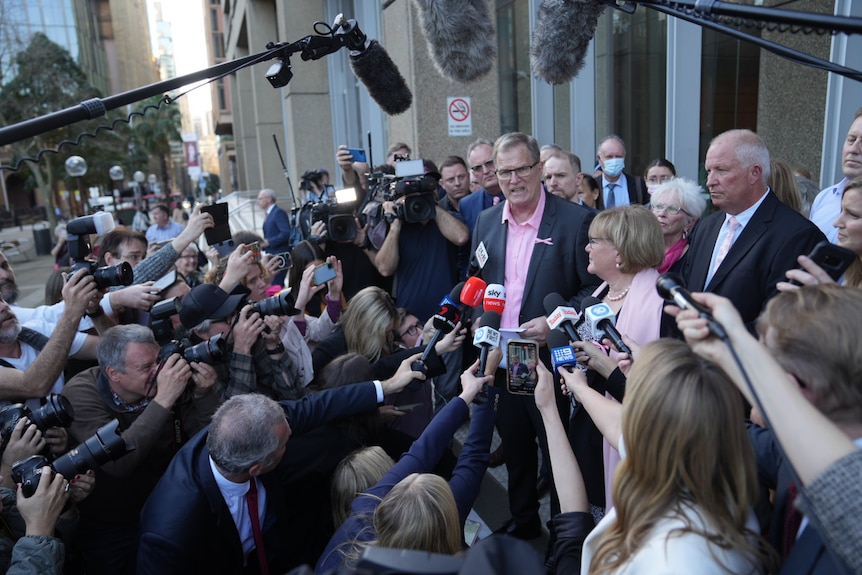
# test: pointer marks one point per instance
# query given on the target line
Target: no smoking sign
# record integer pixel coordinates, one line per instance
(459, 115)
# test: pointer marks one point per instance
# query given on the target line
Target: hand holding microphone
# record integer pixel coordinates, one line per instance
(561, 316)
(562, 356)
(601, 321)
(444, 321)
(672, 288)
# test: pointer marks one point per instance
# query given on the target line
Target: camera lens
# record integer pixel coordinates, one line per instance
(209, 352)
(105, 445)
(57, 412)
(342, 228)
(419, 208)
(118, 275)
(279, 304)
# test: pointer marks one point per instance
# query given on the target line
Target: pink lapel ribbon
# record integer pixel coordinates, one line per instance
(547, 241)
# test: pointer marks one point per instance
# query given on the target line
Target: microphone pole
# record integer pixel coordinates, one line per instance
(286, 172)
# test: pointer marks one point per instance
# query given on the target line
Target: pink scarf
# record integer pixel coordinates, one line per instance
(672, 254)
(639, 319)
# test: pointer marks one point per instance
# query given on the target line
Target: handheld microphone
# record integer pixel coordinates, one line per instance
(460, 37)
(444, 321)
(486, 338)
(495, 298)
(473, 291)
(562, 35)
(601, 322)
(561, 316)
(385, 84)
(562, 355)
(672, 288)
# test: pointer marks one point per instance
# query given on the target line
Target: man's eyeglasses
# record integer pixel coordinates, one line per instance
(521, 172)
(673, 210)
(412, 331)
(489, 165)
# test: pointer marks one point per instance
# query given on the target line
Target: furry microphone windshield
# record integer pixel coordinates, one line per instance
(460, 37)
(561, 38)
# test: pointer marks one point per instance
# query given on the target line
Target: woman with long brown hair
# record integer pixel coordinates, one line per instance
(685, 488)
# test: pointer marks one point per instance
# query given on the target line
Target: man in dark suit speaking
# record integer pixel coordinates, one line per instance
(743, 250)
(276, 229)
(534, 244)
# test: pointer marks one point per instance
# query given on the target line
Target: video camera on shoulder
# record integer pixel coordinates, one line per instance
(336, 212)
(80, 248)
(418, 189)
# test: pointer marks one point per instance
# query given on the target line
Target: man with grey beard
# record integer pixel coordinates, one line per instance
(26, 372)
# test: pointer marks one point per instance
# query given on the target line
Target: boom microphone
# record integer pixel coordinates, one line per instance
(601, 320)
(671, 288)
(561, 316)
(563, 32)
(460, 37)
(385, 84)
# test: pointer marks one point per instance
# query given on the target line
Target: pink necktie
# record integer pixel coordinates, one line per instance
(732, 226)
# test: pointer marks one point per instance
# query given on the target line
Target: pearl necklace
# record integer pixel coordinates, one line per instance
(622, 294)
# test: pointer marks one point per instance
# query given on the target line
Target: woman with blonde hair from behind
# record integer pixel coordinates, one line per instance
(685, 488)
(411, 509)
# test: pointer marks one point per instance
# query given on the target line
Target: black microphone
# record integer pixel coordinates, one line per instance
(486, 338)
(385, 84)
(562, 35)
(562, 355)
(460, 37)
(561, 315)
(672, 288)
(601, 318)
(443, 321)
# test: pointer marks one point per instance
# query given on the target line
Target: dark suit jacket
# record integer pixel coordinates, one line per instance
(808, 555)
(766, 248)
(560, 268)
(276, 230)
(472, 205)
(636, 189)
(186, 526)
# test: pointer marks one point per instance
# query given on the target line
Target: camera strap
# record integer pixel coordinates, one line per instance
(179, 434)
(32, 338)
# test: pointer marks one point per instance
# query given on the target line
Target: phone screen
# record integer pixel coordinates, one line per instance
(522, 357)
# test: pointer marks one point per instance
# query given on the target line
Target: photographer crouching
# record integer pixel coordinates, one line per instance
(159, 407)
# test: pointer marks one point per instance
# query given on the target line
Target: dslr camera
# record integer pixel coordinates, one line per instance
(210, 351)
(57, 412)
(104, 446)
(281, 303)
(80, 248)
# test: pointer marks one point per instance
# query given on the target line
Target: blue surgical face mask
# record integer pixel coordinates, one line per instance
(614, 167)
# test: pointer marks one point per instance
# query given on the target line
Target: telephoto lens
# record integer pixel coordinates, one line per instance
(105, 445)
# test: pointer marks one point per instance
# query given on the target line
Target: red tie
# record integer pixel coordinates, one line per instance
(251, 499)
(792, 521)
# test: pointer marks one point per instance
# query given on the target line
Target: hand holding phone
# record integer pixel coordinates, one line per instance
(831, 258)
(323, 273)
(523, 358)
(357, 154)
